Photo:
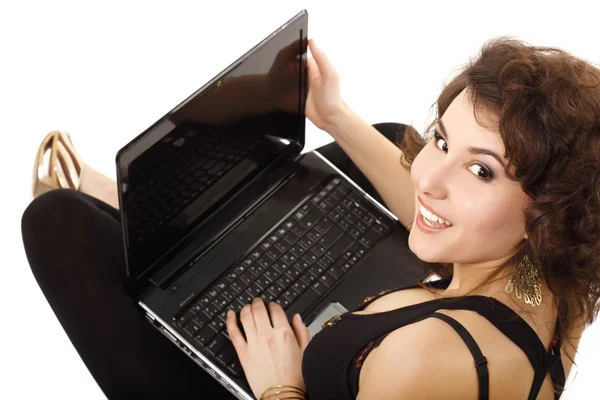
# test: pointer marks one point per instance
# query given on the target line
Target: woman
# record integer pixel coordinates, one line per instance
(501, 199)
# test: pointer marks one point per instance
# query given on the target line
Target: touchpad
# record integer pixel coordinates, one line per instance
(330, 311)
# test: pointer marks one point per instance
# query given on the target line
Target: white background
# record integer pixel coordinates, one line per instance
(104, 71)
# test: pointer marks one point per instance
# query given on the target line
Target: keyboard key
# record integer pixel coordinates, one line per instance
(294, 273)
(336, 272)
(290, 237)
(264, 262)
(266, 245)
(282, 246)
(381, 228)
(273, 253)
(196, 308)
(184, 318)
(305, 242)
(316, 270)
(345, 266)
(227, 354)
(255, 254)
(370, 238)
(205, 336)
(308, 278)
(289, 258)
(255, 269)
(283, 302)
(355, 233)
(312, 218)
(319, 288)
(362, 226)
(299, 287)
(301, 265)
(284, 281)
(202, 320)
(217, 344)
(276, 289)
(288, 225)
(302, 303)
(314, 235)
(324, 262)
(220, 302)
(331, 237)
(239, 285)
(235, 368)
(246, 297)
(344, 224)
(217, 325)
(310, 258)
(291, 295)
(271, 274)
(192, 329)
(280, 266)
(327, 280)
(255, 290)
(211, 310)
(297, 250)
(299, 229)
(247, 277)
(343, 244)
(262, 282)
(324, 225)
(318, 249)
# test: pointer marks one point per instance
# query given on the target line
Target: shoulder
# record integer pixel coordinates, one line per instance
(423, 360)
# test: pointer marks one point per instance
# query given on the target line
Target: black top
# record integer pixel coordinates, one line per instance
(334, 357)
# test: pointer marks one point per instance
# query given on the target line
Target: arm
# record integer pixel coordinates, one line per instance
(379, 160)
(373, 154)
(425, 360)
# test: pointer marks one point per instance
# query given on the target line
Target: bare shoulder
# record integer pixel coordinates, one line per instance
(424, 360)
(428, 359)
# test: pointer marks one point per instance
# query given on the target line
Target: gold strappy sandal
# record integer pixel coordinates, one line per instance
(57, 164)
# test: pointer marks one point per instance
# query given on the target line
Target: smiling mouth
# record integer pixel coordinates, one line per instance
(432, 219)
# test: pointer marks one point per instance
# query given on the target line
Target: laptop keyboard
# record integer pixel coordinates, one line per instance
(298, 262)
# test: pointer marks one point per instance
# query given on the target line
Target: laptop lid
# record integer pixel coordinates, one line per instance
(198, 156)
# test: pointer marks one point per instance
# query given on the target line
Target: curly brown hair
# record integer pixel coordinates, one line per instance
(546, 108)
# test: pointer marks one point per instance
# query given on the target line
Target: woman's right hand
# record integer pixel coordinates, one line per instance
(324, 104)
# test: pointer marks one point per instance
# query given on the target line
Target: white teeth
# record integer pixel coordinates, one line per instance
(432, 217)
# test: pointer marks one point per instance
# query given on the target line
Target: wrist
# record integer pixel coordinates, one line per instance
(281, 392)
(337, 124)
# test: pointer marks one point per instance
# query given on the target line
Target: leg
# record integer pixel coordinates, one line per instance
(334, 153)
(73, 244)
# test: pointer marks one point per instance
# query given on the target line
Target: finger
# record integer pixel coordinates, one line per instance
(235, 335)
(325, 67)
(248, 323)
(261, 316)
(278, 316)
(301, 331)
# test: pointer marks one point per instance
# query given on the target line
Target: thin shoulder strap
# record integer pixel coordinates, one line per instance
(480, 360)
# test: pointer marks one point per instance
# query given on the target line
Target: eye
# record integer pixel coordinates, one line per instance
(437, 137)
(482, 173)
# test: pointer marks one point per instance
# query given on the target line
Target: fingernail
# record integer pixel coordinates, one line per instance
(229, 313)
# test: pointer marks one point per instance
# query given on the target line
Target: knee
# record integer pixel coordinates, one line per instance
(47, 218)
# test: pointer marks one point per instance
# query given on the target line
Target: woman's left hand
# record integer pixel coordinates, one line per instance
(271, 354)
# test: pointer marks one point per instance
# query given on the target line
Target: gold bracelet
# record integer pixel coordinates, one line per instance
(294, 392)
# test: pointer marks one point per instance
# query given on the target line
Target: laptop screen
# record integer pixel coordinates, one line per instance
(202, 152)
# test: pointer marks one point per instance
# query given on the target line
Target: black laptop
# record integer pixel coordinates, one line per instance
(219, 206)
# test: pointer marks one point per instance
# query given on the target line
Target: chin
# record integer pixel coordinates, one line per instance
(422, 249)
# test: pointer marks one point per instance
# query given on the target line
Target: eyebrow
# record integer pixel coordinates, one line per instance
(472, 150)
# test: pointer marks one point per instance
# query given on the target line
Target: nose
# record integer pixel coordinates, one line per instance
(433, 182)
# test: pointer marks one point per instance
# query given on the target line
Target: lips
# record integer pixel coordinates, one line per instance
(428, 208)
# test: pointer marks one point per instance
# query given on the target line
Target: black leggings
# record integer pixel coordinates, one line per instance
(74, 247)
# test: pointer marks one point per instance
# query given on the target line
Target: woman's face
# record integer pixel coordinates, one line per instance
(468, 190)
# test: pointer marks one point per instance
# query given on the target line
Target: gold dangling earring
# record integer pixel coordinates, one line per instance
(526, 283)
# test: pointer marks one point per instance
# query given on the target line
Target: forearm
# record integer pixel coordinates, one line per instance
(379, 160)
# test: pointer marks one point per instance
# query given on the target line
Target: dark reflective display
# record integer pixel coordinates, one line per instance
(202, 152)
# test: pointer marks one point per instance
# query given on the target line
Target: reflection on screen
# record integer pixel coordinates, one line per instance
(202, 152)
